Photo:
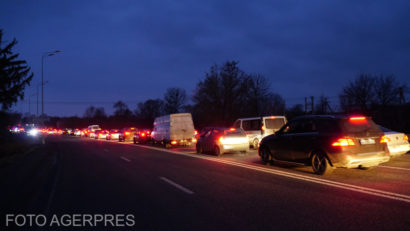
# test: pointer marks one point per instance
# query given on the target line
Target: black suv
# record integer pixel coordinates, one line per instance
(327, 141)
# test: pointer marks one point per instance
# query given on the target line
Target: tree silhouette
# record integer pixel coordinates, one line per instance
(174, 100)
(121, 110)
(14, 75)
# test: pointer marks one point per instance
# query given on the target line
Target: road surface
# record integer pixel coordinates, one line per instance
(176, 189)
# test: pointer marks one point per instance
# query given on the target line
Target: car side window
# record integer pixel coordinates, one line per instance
(237, 124)
(246, 125)
(294, 127)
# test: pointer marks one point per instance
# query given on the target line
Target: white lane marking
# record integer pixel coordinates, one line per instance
(370, 191)
(126, 159)
(53, 189)
(406, 169)
(178, 186)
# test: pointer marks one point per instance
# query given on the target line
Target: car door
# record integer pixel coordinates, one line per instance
(303, 139)
(206, 140)
(281, 145)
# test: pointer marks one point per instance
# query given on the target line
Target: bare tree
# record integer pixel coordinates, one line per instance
(359, 94)
(121, 110)
(147, 111)
(370, 91)
(387, 90)
(89, 112)
(174, 100)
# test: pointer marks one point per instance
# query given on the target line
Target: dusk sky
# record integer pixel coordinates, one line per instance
(134, 50)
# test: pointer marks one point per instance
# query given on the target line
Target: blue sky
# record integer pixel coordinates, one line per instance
(135, 50)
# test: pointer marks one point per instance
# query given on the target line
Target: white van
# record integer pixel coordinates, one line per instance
(258, 127)
(174, 129)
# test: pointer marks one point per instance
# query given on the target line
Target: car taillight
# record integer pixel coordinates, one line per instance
(174, 142)
(357, 119)
(195, 132)
(221, 139)
(406, 138)
(127, 133)
(343, 142)
(384, 139)
(143, 134)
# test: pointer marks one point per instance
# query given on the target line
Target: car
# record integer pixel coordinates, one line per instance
(142, 136)
(93, 133)
(77, 132)
(397, 142)
(113, 134)
(326, 142)
(101, 134)
(258, 127)
(127, 134)
(221, 140)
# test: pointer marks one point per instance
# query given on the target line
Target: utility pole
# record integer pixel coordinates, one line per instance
(305, 105)
(312, 104)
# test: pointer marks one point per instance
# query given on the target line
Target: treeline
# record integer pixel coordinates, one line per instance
(227, 93)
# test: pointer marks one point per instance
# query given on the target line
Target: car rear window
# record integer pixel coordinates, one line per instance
(234, 132)
(366, 125)
(274, 123)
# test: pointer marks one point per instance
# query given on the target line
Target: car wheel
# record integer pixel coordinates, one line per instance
(255, 143)
(266, 156)
(320, 164)
(199, 149)
(217, 151)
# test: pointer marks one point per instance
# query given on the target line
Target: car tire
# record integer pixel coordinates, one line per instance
(217, 151)
(255, 143)
(199, 149)
(266, 156)
(366, 168)
(321, 164)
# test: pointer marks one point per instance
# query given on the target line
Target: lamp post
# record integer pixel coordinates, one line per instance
(51, 53)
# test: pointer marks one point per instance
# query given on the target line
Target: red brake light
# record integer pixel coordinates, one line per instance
(195, 132)
(143, 134)
(357, 119)
(343, 142)
(174, 142)
(127, 133)
(231, 129)
(384, 139)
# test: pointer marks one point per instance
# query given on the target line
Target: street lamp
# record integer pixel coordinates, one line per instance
(51, 53)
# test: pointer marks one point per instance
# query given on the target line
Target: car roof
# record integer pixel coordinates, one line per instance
(269, 117)
(322, 117)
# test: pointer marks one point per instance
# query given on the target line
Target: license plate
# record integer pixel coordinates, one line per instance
(367, 141)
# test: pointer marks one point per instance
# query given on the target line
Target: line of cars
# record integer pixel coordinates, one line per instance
(323, 141)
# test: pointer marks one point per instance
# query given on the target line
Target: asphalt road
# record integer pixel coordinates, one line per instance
(178, 190)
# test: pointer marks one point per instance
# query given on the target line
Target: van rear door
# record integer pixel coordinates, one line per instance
(272, 124)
